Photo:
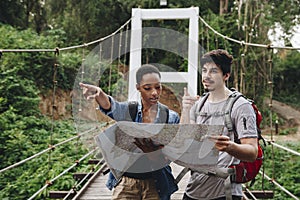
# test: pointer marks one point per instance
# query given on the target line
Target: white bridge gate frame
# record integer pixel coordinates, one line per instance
(189, 77)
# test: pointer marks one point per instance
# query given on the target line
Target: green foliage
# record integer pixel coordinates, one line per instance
(284, 12)
(286, 79)
(27, 137)
(21, 95)
(24, 14)
(86, 20)
(283, 167)
(39, 68)
(60, 23)
(24, 131)
(30, 66)
(68, 66)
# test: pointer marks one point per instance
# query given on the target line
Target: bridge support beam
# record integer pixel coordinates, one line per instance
(189, 77)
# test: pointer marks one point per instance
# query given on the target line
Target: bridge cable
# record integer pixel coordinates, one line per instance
(110, 65)
(207, 39)
(91, 179)
(100, 63)
(242, 70)
(64, 48)
(120, 48)
(125, 48)
(76, 185)
(99, 40)
(246, 43)
(53, 110)
(52, 147)
(270, 83)
(284, 148)
(48, 183)
(216, 41)
(279, 186)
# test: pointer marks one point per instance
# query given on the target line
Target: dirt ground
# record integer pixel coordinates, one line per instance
(292, 117)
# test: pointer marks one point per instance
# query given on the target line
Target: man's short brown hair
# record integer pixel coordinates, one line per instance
(220, 57)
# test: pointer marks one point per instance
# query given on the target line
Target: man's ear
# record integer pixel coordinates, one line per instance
(226, 76)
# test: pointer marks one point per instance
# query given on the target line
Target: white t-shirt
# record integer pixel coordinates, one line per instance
(202, 186)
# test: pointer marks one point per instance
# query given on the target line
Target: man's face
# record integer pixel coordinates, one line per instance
(212, 77)
(150, 88)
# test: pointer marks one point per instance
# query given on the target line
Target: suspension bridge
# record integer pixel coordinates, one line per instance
(111, 49)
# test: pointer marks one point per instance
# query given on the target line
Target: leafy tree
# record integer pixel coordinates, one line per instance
(24, 130)
(38, 67)
(283, 167)
(286, 78)
(24, 14)
(59, 23)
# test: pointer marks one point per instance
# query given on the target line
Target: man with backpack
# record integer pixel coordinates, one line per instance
(150, 185)
(211, 110)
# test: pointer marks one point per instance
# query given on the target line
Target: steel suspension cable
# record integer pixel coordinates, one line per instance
(284, 148)
(48, 183)
(251, 194)
(216, 42)
(100, 63)
(26, 50)
(119, 52)
(243, 42)
(74, 188)
(125, 48)
(111, 65)
(91, 179)
(54, 108)
(99, 40)
(53, 147)
(81, 79)
(242, 72)
(66, 48)
(270, 83)
(279, 186)
(207, 39)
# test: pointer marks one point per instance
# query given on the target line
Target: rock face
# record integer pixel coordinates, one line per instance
(62, 108)
(292, 120)
(286, 112)
(60, 105)
(289, 114)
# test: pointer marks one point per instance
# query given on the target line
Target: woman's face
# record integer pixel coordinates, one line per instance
(150, 89)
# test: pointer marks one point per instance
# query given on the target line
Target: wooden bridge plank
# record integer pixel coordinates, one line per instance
(98, 191)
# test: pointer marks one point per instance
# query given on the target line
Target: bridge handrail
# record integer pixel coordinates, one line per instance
(74, 188)
(89, 181)
(268, 46)
(61, 174)
(67, 48)
(284, 148)
(278, 185)
(46, 150)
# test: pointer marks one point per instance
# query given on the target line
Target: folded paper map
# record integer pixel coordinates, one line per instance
(185, 144)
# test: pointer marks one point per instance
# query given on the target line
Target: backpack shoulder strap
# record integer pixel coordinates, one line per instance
(132, 110)
(202, 101)
(163, 113)
(227, 112)
(198, 109)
